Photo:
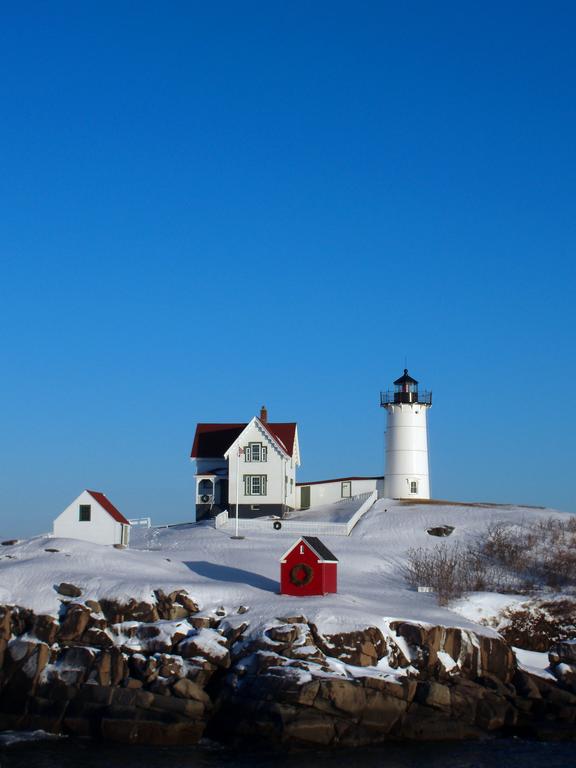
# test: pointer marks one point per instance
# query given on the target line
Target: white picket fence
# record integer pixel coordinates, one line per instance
(300, 527)
(144, 522)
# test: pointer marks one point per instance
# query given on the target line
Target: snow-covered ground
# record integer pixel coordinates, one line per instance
(218, 571)
(340, 512)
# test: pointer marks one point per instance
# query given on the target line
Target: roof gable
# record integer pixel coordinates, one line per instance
(321, 551)
(264, 430)
(108, 506)
(212, 441)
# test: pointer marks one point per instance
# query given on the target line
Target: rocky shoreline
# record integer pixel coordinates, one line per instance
(167, 673)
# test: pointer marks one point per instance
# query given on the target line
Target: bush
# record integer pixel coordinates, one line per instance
(449, 570)
(518, 558)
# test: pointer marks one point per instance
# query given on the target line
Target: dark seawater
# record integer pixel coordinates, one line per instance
(507, 753)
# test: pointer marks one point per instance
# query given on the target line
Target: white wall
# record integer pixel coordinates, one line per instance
(276, 468)
(331, 491)
(406, 451)
(101, 529)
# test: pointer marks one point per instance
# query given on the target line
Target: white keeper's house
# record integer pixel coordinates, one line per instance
(92, 517)
(263, 456)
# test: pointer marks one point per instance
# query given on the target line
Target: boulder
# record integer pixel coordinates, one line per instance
(97, 638)
(152, 732)
(208, 644)
(563, 652)
(566, 674)
(441, 531)
(183, 599)
(45, 628)
(309, 728)
(363, 648)
(24, 662)
(5, 623)
(68, 590)
(494, 713)
(186, 689)
(381, 713)
(3, 647)
(167, 608)
(344, 695)
(74, 664)
(434, 695)
(75, 623)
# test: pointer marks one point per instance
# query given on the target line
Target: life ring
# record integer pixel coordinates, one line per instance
(299, 581)
(205, 498)
(277, 525)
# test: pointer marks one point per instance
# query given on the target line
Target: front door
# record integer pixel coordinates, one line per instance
(304, 497)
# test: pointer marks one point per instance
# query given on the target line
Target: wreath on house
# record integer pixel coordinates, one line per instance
(301, 575)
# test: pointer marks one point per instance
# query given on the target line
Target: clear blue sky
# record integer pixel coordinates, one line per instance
(209, 206)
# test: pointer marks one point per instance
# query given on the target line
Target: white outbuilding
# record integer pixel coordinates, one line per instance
(93, 517)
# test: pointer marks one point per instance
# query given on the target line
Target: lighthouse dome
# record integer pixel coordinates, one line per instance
(405, 379)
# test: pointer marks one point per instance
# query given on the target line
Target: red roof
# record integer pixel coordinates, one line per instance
(211, 441)
(109, 507)
(321, 551)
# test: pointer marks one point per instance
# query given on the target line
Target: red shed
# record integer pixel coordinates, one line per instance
(308, 568)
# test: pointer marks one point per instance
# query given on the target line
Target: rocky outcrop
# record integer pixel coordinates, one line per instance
(162, 672)
(442, 683)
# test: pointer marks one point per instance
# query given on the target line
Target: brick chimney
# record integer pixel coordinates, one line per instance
(263, 415)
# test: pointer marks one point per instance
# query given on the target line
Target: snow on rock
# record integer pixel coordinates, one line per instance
(484, 607)
(207, 643)
(535, 663)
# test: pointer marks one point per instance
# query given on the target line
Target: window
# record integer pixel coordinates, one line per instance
(256, 452)
(84, 515)
(205, 488)
(413, 486)
(255, 485)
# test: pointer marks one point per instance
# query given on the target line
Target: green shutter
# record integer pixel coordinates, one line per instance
(263, 481)
(264, 453)
(247, 488)
(247, 454)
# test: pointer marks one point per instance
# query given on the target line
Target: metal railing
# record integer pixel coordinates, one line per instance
(144, 522)
(391, 398)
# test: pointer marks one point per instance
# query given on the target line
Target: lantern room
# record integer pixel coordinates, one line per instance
(405, 391)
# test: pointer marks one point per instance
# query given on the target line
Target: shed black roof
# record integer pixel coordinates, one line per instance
(405, 379)
(321, 549)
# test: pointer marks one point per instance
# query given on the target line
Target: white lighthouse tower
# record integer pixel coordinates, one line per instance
(407, 474)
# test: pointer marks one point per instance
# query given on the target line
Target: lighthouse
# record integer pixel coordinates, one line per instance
(407, 474)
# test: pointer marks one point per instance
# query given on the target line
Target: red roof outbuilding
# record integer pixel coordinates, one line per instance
(308, 568)
(108, 506)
